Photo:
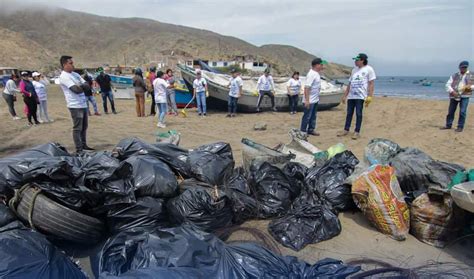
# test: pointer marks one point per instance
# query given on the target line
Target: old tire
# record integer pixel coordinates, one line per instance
(57, 220)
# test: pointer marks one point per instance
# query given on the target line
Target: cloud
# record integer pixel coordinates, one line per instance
(391, 32)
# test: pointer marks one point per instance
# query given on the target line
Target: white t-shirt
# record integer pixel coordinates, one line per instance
(294, 85)
(359, 82)
(40, 90)
(160, 88)
(235, 84)
(199, 84)
(265, 83)
(73, 100)
(313, 82)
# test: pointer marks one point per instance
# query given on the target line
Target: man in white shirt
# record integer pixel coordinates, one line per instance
(459, 87)
(73, 86)
(200, 92)
(359, 91)
(235, 91)
(312, 88)
(265, 86)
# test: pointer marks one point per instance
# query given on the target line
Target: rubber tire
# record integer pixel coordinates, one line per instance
(57, 220)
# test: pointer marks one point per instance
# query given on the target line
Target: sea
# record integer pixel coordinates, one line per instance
(412, 87)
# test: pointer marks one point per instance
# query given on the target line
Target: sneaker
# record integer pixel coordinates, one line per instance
(204, 115)
(29, 124)
(458, 130)
(445, 128)
(355, 136)
(228, 115)
(199, 114)
(37, 123)
(343, 133)
(258, 109)
(41, 121)
(274, 109)
(232, 115)
(97, 114)
(114, 112)
(88, 148)
(161, 125)
(16, 118)
(313, 133)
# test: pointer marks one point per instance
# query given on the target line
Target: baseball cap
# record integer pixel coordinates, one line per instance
(317, 61)
(36, 74)
(24, 73)
(464, 64)
(361, 56)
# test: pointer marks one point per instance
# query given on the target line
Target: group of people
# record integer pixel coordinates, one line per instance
(33, 89)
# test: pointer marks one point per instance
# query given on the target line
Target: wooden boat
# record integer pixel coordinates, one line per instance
(218, 92)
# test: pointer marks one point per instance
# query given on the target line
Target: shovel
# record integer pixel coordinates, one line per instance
(183, 111)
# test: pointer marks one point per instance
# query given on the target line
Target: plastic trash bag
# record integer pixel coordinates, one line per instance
(238, 182)
(273, 190)
(28, 254)
(146, 212)
(151, 177)
(300, 147)
(296, 173)
(435, 219)
(336, 149)
(418, 172)
(328, 180)
(207, 208)
(177, 251)
(244, 204)
(380, 151)
(212, 163)
(313, 214)
(174, 156)
(172, 136)
(254, 154)
(378, 195)
(6, 215)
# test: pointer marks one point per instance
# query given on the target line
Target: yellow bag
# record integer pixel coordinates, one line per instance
(378, 194)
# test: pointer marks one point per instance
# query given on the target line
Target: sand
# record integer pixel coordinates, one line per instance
(407, 122)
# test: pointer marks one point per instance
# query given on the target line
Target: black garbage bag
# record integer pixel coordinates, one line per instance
(178, 251)
(296, 174)
(244, 203)
(151, 177)
(328, 180)
(309, 220)
(207, 208)
(27, 254)
(6, 215)
(417, 172)
(146, 212)
(380, 151)
(160, 272)
(273, 190)
(174, 156)
(238, 181)
(212, 163)
(313, 215)
(51, 149)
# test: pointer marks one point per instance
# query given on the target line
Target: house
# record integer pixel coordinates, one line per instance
(255, 66)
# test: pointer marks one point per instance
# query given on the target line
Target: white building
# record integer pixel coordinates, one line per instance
(254, 66)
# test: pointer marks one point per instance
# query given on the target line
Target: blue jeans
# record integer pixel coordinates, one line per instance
(293, 101)
(110, 96)
(308, 122)
(162, 108)
(453, 104)
(91, 99)
(232, 104)
(358, 105)
(201, 102)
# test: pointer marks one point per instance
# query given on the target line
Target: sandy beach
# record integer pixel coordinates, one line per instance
(408, 122)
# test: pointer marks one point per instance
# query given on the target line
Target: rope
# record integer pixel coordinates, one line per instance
(37, 191)
(13, 203)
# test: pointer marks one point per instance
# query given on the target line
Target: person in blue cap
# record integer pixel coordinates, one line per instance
(459, 87)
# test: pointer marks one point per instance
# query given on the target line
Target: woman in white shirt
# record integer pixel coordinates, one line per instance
(161, 87)
(9, 94)
(294, 87)
(40, 88)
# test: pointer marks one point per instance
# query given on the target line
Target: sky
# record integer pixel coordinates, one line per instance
(401, 38)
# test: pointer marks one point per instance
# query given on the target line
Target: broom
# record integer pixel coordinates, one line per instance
(183, 111)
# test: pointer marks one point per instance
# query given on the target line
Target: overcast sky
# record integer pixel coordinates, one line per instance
(404, 37)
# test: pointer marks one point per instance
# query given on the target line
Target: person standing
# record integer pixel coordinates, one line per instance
(105, 84)
(312, 88)
(171, 95)
(150, 79)
(140, 89)
(161, 86)
(200, 93)
(88, 92)
(9, 94)
(359, 91)
(265, 86)
(459, 87)
(41, 91)
(235, 91)
(294, 88)
(73, 86)
(30, 98)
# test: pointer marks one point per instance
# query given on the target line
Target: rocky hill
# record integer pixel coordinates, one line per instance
(37, 37)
